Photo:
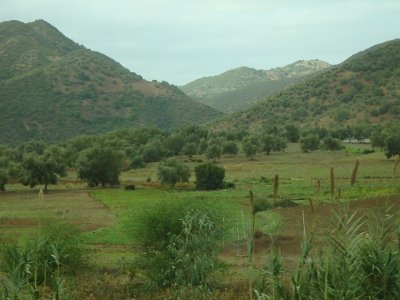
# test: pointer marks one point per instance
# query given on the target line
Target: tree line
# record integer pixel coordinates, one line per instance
(99, 159)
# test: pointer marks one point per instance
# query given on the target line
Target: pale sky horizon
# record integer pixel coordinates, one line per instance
(179, 40)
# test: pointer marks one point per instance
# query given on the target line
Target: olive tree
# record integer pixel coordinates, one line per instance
(172, 171)
(43, 168)
(100, 165)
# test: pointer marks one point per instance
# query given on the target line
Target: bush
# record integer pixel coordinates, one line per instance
(178, 240)
(332, 144)
(172, 171)
(130, 187)
(209, 177)
(309, 143)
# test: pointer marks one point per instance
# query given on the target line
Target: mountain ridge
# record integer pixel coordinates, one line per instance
(53, 89)
(362, 89)
(237, 88)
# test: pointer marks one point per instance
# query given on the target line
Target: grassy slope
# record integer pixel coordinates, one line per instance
(363, 88)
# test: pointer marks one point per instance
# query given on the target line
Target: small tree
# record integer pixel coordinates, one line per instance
(250, 146)
(3, 178)
(43, 169)
(209, 176)
(172, 171)
(229, 147)
(213, 152)
(292, 133)
(189, 149)
(309, 143)
(332, 144)
(392, 145)
(100, 165)
(268, 143)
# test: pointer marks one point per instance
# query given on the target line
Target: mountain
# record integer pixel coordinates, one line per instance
(364, 88)
(52, 89)
(237, 89)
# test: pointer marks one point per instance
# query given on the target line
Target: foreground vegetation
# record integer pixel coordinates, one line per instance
(162, 242)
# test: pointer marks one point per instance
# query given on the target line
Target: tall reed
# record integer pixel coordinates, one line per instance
(332, 182)
(354, 173)
(276, 188)
(251, 244)
(395, 165)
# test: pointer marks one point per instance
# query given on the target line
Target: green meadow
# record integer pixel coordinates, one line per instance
(102, 214)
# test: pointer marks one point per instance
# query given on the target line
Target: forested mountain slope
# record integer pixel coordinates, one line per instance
(52, 89)
(364, 88)
(237, 89)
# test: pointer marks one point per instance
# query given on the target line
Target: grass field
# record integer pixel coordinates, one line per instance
(101, 214)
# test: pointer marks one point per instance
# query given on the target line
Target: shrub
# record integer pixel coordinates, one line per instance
(130, 187)
(178, 239)
(309, 143)
(209, 177)
(172, 171)
(332, 144)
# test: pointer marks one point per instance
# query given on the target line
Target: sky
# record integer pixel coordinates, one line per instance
(182, 40)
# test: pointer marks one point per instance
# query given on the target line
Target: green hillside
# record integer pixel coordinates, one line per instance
(364, 88)
(239, 88)
(53, 89)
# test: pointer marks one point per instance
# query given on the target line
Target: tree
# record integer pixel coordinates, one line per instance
(189, 149)
(209, 176)
(309, 143)
(250, 146)
(100, 165)
(229, 147)
(292, 133)
(174, 143)
(213, 152)
(378, 138)
(43, 169)
(280, 144)
(330, 143)
(268, 143)
(172, 171)
(153, 151)
(3, 178)
(392, 147)
(137, 162)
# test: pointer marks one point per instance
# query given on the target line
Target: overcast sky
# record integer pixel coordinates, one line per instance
(181, 40)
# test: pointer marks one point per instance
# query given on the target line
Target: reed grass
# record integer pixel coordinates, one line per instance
(354, 173)
(332, 182)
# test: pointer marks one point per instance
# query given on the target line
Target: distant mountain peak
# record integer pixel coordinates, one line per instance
(362, 89)
(239, 87)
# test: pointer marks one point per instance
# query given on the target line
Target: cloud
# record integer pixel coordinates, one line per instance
(181, 40)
